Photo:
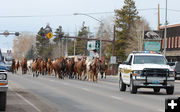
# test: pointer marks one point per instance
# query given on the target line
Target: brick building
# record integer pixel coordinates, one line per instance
(173, 42)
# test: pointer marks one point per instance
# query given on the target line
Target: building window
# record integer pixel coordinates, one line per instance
(162, 43)
(172, 42)
(175, 42)
(178, 42)
(169, 42)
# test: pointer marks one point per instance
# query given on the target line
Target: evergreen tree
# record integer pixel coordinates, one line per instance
(59, 34)
(124, 20)
(42, 44)
(81, 44)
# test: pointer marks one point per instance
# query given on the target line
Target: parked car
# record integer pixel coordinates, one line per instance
(177, 70)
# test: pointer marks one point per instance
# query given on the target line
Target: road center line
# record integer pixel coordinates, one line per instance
(160, 110)
(117, 98)
(85, 89)
(27, 101)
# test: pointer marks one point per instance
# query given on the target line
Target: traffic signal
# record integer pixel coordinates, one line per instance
(16, 33)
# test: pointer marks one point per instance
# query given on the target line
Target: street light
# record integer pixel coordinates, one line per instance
(165, 32)
(98, 21)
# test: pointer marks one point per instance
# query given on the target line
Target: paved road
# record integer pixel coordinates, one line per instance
(48, 94)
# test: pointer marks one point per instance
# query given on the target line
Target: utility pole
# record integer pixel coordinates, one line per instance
(62, 48)
(66, 54)
(113, 47)
(158, 17)
(165, 30)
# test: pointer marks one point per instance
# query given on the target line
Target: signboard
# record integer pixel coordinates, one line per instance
(97, 46)
(49, 35)
(152, 35)
(113, 59)
(152, 46)
(91, 45)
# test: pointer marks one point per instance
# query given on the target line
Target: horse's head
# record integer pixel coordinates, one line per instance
(49, 60)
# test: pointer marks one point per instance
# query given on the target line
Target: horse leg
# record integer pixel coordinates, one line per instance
(101, 75)
(89, 75)
(96, 77)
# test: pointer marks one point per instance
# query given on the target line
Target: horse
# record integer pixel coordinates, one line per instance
(88, 68)
(59, 67)
(29, 65)
(81, 68)
(24, 66)
(95, 69)
(103, 68)
(70, 67)
(36, 67)
(13, 68)
(17, 65)
(49, 66)
(43, 67)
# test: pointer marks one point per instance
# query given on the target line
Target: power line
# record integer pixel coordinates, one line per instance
(93, 13)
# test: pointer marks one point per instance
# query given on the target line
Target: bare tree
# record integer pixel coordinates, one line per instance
(137, 32)
(22, 44)
(105, 31)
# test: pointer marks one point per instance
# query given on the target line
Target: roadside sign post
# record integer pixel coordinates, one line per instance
(113, 60)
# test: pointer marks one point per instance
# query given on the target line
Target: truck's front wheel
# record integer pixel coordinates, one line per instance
(170, 90)
(122, 86)
(2, 101)
(133, 88)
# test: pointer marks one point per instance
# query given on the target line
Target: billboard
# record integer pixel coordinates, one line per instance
(152, 35)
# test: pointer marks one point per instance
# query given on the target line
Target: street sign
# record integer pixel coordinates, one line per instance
(49, 35)
(113, 60)
(97, 46)
(152, 46)
(91, 45)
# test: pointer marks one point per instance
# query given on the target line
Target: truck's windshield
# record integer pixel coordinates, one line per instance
(145, 59)
(0, 57)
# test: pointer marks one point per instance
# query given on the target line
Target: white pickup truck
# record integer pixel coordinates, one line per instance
(3, 84)
(146, 70)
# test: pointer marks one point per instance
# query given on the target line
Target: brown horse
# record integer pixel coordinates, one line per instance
(103, 68)
(24, 66)
(95, 69)
(43, 67)
(17, 65)
(70, 67)
(81, 68)
(36, 67)
(49, 66)
(13, 68)
(59, 67)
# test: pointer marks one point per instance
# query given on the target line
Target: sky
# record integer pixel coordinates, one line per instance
(60, 12)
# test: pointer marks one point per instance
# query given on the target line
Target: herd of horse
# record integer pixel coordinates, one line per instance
(81, 69)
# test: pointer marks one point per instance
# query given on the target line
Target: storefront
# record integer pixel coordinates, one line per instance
(172, 42)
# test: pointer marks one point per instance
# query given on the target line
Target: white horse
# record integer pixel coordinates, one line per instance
(29, 65)
(88, 63)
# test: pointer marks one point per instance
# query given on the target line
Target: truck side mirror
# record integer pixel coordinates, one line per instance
(126, 63)
(170, 64)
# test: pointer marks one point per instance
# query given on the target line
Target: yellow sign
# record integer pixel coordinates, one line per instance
(49, 35)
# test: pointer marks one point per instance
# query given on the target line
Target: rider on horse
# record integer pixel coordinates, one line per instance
(95, 55)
